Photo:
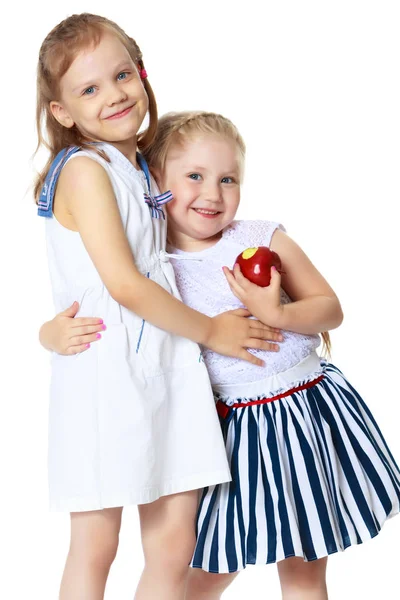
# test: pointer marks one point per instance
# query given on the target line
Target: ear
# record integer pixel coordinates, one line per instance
(61, 115)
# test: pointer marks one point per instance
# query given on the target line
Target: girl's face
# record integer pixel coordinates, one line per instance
(102, 94)
(204, 176)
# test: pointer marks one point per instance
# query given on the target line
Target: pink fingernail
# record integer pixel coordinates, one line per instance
(98, 335)
(104, 328)
(101, 321)
(87, 346)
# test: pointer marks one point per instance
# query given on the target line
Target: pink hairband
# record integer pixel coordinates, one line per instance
(143, 73)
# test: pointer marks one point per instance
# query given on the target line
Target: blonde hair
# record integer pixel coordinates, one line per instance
(58, 51)
(326, 344)
(172, 130)
(175, 127)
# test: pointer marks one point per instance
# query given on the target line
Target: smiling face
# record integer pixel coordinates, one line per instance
(102, 94)
(204, 176)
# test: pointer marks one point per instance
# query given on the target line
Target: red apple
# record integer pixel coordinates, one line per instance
(256, 263)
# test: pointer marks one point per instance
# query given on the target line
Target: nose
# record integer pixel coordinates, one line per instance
(115, 94)
(212, 192)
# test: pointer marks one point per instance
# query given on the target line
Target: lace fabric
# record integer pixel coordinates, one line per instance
(203, 286)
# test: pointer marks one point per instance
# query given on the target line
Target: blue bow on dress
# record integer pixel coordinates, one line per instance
(156, 202)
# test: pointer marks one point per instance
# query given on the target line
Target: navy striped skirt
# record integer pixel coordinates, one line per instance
(311, 475)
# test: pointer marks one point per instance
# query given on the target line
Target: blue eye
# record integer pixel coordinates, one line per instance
(227, 180)
(122, 76)
(195, 176)
(89, 91)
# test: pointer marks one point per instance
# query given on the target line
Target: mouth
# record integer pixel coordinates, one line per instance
(120, 114)
(208, 214)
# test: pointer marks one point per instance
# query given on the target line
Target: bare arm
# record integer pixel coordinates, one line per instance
(314, 307)
(86, 195)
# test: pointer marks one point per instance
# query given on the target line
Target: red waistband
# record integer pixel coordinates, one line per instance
(223, 409)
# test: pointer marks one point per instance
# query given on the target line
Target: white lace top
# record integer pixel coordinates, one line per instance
(203, 286)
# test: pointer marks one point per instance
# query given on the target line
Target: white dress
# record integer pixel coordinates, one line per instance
(133, 418)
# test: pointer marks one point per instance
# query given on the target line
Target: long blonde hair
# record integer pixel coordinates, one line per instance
(172, 130)
(56, 55)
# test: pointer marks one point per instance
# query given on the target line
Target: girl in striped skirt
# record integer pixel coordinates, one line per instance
(311, 472)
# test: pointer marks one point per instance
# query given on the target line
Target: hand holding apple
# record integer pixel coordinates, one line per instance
(256, 263)
(262, 299)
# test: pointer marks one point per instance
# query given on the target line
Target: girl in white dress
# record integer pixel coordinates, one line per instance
(311, 472)
(119, 431)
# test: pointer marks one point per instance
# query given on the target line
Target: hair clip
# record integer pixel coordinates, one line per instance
(143, 73)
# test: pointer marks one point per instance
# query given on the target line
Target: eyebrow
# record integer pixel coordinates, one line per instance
(194, 168)
(235, 171)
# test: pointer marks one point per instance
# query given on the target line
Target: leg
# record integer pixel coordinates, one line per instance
(168, 538)
(207, 586)
(303, 580)
(94, 543)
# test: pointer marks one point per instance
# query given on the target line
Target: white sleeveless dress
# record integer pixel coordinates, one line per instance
(133, 418)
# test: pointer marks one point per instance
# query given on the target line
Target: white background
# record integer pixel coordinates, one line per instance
(314, 89)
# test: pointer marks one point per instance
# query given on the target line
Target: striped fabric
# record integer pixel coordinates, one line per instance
(311, 473)
(45, 203)
(155, 203)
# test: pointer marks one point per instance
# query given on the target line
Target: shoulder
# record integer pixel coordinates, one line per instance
(84, 172)
(84, 187)
(252, 232)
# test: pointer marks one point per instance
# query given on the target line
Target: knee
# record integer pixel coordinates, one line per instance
(202, 584)
(299, 577)
(171, 549)
(96, 551)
